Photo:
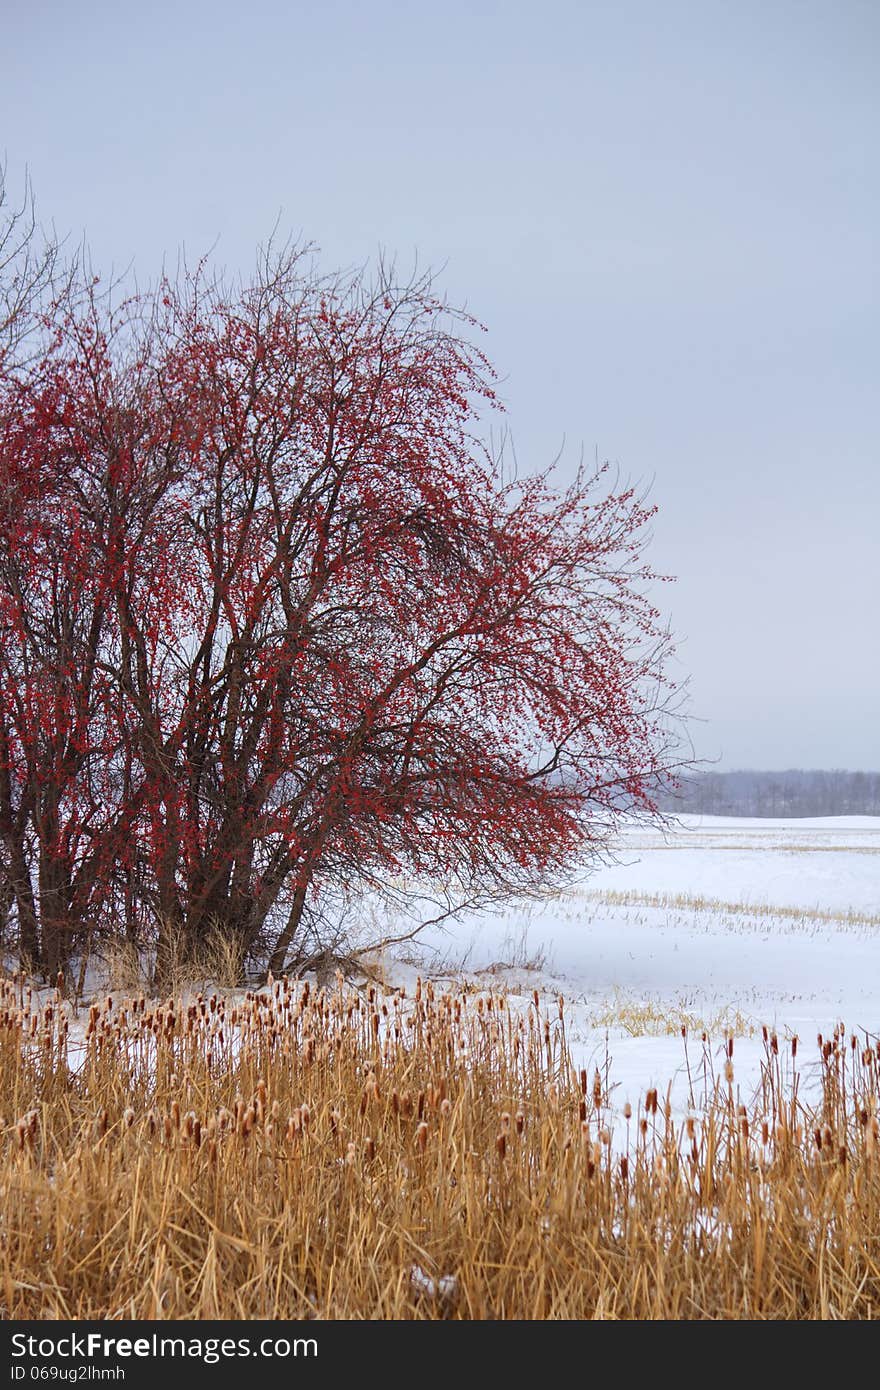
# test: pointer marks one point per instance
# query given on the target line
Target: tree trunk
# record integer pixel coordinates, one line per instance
(282, 945)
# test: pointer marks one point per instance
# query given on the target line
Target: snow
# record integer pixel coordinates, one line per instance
(716, 924)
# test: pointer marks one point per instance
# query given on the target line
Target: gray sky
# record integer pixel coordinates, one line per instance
(666, 213)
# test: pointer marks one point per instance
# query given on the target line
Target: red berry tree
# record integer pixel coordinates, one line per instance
(277, 632)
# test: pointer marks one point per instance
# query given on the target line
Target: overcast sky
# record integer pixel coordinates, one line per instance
(666, 213)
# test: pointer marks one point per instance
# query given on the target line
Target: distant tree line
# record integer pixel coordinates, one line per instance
(793, 793)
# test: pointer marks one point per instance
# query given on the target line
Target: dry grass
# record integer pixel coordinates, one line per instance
(847, 918)
(657, 1018)
(332, 1154)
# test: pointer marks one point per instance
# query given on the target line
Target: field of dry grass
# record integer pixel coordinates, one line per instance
(345, 1154)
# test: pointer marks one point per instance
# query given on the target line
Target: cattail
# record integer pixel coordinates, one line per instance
(728, 1072)
(128, 1117)
(422, 1136)
(369, 1150)
(605, 1137)
(501, 1146)
(446, 1108)
(520, 1122)
(689, 1126)
(624, 1168)
(627, 1111)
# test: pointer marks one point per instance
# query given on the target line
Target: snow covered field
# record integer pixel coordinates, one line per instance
(720, 924)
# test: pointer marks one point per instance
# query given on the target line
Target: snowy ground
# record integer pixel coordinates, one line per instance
(722, 923)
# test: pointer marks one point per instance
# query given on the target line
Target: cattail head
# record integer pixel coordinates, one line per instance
(501, 1146)
(422, 1136)
(128, 1117)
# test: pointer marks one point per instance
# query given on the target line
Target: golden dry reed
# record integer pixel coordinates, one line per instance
(338, 1154)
